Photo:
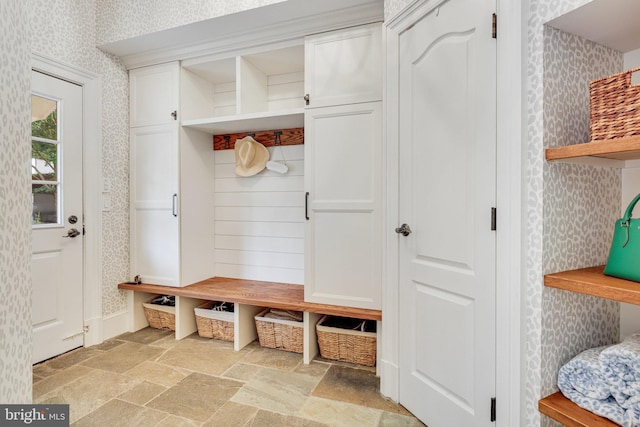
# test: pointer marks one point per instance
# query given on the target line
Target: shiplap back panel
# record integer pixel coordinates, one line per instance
(259, 220)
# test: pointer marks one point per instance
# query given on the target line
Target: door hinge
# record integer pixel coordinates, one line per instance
(494, 26)
(493, 409)
(174, 115)
(493, 219)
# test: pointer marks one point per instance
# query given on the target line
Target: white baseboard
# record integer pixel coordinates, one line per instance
(94, 333)
(389, 375)
(115, 324)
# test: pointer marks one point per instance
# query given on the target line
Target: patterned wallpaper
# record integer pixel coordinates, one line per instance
(66, 30)
(569, 208)
(15, 203)
(123, 19)
(581, 204)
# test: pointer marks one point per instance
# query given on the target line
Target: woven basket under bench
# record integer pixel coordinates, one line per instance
(346, 345)
(214, 324)
(280, 334)
(160, 316)
(614, 107)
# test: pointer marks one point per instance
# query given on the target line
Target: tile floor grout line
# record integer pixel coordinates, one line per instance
(262, 357)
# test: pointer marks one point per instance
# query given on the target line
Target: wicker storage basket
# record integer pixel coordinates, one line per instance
(214, 324)
(285, 335)
(346, 345)
(614, 107)
(160, 316)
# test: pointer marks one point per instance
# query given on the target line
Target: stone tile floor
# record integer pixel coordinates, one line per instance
(147, 378)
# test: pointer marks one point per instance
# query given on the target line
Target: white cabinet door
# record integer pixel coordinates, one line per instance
(343, 170)
(344, 67)
(154, 94)
(155, 249)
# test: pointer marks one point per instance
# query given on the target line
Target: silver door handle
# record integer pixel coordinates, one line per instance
(404, 229)
(175, 204)
(72, 233)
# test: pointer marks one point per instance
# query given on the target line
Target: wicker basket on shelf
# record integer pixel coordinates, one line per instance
(346, 345)
(160, 316)
(614, 107)
(280, 334)
(214, 324)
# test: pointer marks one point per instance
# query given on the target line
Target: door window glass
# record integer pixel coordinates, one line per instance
(45, 152)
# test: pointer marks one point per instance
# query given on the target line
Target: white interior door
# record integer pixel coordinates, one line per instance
(447, 169)
(57, 260)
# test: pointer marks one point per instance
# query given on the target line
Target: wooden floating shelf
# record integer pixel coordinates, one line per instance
(251, 122)
(592, 152)
(592, 281)
(569, 414)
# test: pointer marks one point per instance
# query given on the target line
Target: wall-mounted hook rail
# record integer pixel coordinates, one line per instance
(268, 138)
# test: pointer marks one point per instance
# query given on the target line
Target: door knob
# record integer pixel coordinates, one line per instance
(72, 233)
(404, 229)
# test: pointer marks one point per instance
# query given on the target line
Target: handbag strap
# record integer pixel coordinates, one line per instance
(629, 211)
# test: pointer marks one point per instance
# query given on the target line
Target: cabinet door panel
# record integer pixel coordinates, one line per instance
(154, 94)
(153, 183)
(343, 170)
(154, 244)
(344, 67)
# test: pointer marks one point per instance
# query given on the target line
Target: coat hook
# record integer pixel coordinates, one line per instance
(277, 140)
(226, 141)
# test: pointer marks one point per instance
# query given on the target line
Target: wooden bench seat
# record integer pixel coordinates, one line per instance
(249, 296)
(252, 292)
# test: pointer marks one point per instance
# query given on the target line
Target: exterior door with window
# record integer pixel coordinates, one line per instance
(57, 218)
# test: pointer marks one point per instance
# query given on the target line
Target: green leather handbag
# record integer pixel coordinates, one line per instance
(624, 256)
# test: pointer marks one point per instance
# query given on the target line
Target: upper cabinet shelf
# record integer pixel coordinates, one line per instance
(244, 93)
(592, 281)
(251, 122)
(611, 152)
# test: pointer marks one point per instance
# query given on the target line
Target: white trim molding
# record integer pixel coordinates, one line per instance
(509, 206)
(116, 324)
(282, 22)
(509, 273)
(92, 161)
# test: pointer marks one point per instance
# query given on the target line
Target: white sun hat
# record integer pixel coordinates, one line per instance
(251, 156)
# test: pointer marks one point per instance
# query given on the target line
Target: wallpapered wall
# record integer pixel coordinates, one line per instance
(15, 204)
(581, 204)
(559, 223)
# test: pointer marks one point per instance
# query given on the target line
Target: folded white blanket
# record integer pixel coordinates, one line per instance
(582, 381)
(620, 365)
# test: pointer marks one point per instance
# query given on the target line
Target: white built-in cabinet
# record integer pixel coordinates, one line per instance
(154, 95)
(170, 199)
(332, 85)
(344, 66)
(343, 167)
